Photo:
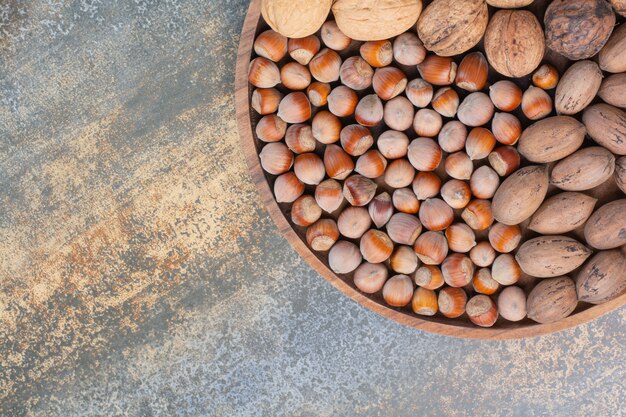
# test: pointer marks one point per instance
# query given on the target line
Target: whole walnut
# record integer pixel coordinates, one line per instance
(514, 42)
(578, 29)
(295, 18)
(619, 6)
(451, 27)
(372, 20)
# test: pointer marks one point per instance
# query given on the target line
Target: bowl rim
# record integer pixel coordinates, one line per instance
(460, 330)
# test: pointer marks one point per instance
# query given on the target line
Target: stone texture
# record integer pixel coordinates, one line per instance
(140, 276)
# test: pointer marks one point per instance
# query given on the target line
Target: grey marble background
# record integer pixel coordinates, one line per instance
(140, 276)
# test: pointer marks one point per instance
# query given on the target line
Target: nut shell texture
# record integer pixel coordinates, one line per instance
(514, 42)
(578, 29)
(370, 20)
(451, 27)
(295, 18)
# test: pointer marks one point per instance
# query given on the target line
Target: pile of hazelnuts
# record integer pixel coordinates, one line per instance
(381, 155)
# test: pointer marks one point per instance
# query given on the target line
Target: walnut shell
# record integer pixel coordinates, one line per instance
(562, 213)
(602, 278)
(607, 126)
(372, 20)
(584, 169)
(619, 6)
(551, 256)
(578, 29)
(612, 57)
(551, 139)
(514, 42)
(552, 300)
(509, 4)
(520, 195)
(295, 18)
(606, 228)
(578, 87)
(451, 27)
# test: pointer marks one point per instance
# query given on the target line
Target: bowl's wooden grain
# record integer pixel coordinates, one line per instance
(460, 327)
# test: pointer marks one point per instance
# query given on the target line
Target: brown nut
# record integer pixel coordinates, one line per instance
(271, 128)
(514, 42)
(333, 37)
(426, 185)
(344, 257)
(438, 70)
(370, 278)
(551, 139)
(546, 77)
(408, 49)
(512, 304)
(427, 122)
(295, 19)
(452, 136)
(578, 87)
(482, 310)
(478, 214)
(611, 57)
(329, 195)
(376, 246)
(398, 291)
(563, 20)
(602, 278)
(452, 302)
(342, 101)
(520, 195)
(375, 19)
(424, 154)
(305, 211)
(475, 110)
(562, 213)
(377, 53)
(287, 188)
(607, 126)
(356, 73)
(584, 169)
(359, 190)
(381, 210)
(424, 302)
(536, 103)
(404, 228)
(505, 95)
(429, 277)
(457, 270)
(431, 248)
(337, 162)
(322, 235)
(296, 77)
(451, 27)
(504, 160)
(472, 72)
(353, 222)
(388, 82)
(302, 50)
(299, 138)
(606, 228)
(552, 300)
(435, 214)
(551, 256)
(271, 45)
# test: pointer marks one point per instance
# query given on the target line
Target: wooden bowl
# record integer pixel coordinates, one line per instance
(295, 235)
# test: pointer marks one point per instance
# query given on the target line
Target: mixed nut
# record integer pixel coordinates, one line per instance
(418, 164)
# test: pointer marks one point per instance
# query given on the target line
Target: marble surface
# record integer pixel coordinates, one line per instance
(140, 276)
